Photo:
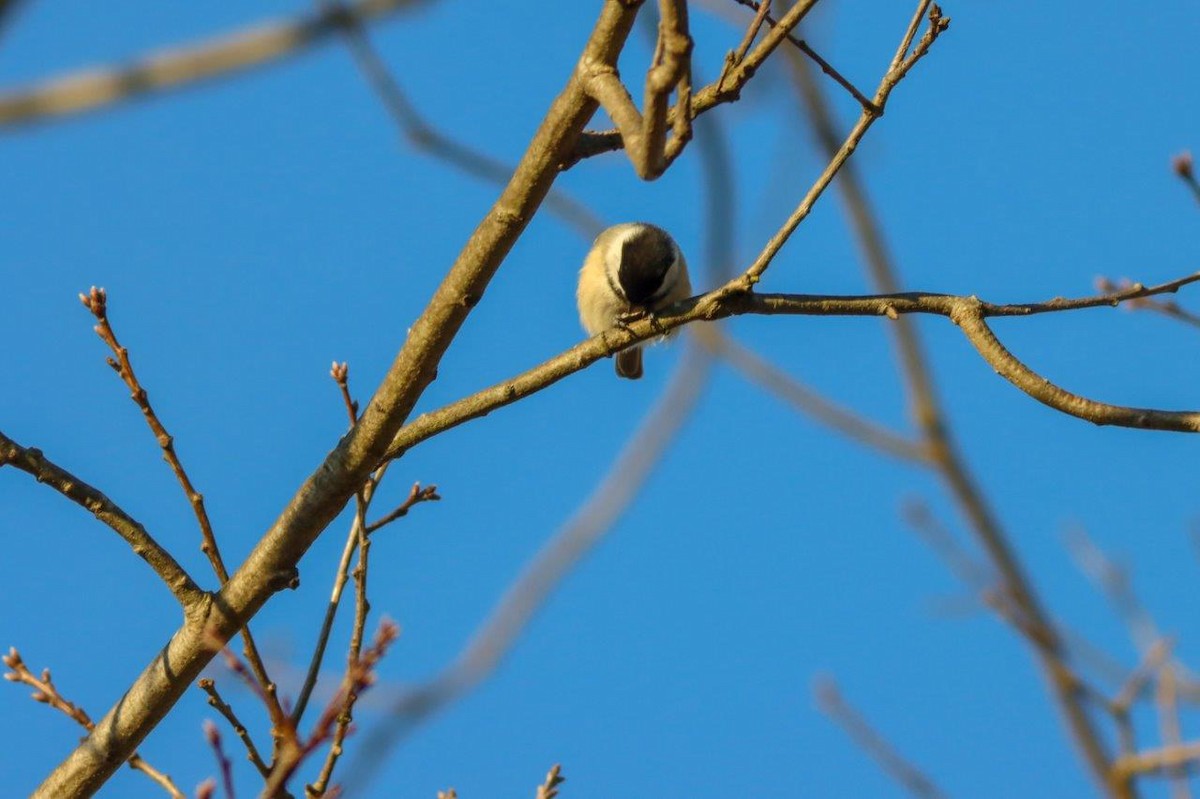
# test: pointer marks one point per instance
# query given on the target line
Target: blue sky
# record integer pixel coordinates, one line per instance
(251, 231)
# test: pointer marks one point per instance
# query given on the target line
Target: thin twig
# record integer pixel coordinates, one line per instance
(839, 157)
(360, 676)
(33, 462)
(416, 496)
(96, 301)
(224, 767)
(181, 65)
(45, 691)
(908, 776)
(361, 608)
(340, 374)
(221, 706)
(800, 44)
(1168, 308)
(1156, 761)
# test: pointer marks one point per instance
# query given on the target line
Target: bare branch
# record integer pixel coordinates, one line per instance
(726, 88)
(221, 56)
(839, 158)
(967, 312)
(46, 692)
(1165, 307)
(1157, 761)
(221, 706)
(812, 403)
(96, 301)
(416, 496)
(645, 136)
(360, 676)
(1016, 601)
(33, 462)
(512, 613)
(761, 10)
(830, 700)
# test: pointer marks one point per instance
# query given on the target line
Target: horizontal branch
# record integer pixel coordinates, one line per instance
(33, 462)
(967, 312)
(185, 64)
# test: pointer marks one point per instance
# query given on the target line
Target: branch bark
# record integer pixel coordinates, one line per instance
(271, 566)
(33, 462)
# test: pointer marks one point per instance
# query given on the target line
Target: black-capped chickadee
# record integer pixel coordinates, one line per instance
(633, 268)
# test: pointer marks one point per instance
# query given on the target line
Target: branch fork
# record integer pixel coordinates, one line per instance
(645, 135)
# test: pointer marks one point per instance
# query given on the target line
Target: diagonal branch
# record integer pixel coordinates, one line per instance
(839, 157)
(96, 301)
(428, 139)
(271, 566)
(583, 531)
(908, 776)
(825, 411)
(222, 56)
(45, 691)
(33, 462)
(762, 9)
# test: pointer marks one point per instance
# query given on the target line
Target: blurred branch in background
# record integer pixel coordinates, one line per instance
(1168, 308)
(608, 501)
(830, 700)
(182, 65)
(947, 462)
(496, 636)
(1185, 167)
(428, 139)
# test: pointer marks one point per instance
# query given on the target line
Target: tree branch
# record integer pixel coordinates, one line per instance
(222, 56)
(1016, 601)
(45, 691)
(968, 312)
(271, 566)
(33, 462)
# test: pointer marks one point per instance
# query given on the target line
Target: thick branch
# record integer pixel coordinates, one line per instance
(33, 462)
(271, 566)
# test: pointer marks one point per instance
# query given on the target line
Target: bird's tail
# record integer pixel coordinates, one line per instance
(629, 363)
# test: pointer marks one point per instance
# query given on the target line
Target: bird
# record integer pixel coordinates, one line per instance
(633, 269)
